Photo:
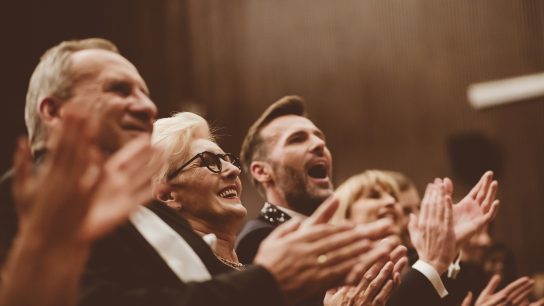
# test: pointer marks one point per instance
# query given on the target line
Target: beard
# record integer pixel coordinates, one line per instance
(301, 197)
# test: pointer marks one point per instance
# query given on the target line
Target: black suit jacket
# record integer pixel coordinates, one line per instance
(123, 269)
(251, 236)
(415, 288)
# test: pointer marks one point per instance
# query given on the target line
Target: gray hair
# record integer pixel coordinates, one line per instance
(53, 77)
(174, 136)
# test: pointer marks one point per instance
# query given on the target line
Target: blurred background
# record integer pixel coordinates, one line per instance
(385, 80)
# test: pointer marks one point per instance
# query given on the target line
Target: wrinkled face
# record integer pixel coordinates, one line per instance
(376, 203)
(207, 196)
(115, 93)
(300, 160)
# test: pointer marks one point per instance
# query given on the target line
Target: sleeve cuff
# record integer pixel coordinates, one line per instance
(430, 273)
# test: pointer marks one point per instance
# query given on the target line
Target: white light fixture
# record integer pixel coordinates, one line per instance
(493, 93)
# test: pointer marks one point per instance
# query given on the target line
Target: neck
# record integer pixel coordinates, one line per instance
(226, 237)
(277, 198)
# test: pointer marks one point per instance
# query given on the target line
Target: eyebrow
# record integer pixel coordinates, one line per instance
(111, 81)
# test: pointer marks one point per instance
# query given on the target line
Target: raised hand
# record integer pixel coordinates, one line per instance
(476, 209)
(311, 258)
(516, 293)
(432, 232)
(375, 287)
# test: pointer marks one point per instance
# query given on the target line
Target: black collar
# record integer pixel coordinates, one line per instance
(273, 215)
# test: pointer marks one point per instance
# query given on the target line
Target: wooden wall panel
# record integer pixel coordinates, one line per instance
(386, 80)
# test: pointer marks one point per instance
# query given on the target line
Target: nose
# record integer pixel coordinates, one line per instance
(143, 108)
(317, 145)
(229, 170)
(389, 200)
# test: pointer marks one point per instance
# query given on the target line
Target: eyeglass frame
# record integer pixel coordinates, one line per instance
(219, 157)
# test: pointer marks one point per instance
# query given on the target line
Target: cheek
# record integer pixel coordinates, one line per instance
(362, 211)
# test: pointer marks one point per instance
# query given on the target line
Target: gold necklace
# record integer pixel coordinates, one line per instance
(235, 265)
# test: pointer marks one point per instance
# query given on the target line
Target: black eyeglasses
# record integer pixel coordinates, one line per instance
(212, 161)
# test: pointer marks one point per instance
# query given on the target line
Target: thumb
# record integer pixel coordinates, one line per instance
(284, 229)
(467, 300)
(492, 285)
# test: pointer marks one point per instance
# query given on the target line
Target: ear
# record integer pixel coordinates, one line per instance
(49, 109)
(261, 171)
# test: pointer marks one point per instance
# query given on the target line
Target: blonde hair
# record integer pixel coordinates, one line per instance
(53, 76)
(356, 186)
(174, 136)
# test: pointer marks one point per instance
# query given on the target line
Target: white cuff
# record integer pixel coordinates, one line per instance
(433, 276)
(454, 268)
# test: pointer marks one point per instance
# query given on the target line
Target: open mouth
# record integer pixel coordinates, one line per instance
(228, 193)
(318, 171)
(388, 214)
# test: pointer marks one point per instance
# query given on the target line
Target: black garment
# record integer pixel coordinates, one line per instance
(415, 288)
(123, 269)
(472, 277)
(256, 230)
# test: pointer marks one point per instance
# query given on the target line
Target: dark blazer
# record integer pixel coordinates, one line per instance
(125, 270)
(415, 288)
(251, 236)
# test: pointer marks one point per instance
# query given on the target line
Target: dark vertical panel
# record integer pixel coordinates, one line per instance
(387, 82)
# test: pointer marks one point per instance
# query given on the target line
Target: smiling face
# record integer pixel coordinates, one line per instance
(300, 162)
(376, 202)
(115, 93)
(204, 196)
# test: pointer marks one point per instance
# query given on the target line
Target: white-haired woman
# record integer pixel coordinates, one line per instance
(203, 181)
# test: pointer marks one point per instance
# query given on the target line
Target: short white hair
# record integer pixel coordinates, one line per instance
(173, 135)
(54, 77)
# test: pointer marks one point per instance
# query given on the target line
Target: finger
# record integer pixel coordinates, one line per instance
(285, 229)
(474, 191)
(401, 265)
(433, 203)
(338, 243)
(321, 234)
(488, 176)
(492, 285)
(324, 212)
(538, 303)
(370, 275)
(412, 225)
(515, 285)
(467, 300)
(490, 196)
(383, 296)
(377, 283)
(396, 279)
(522, 293)
(448, 214)
(142, 170)
(424, 212)
(366, 260)
(492, 213)
(449, 186)
(398, 253)
(123, 156)
(441, 201)
(375, 230)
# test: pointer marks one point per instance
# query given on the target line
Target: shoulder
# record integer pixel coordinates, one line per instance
(251, 236)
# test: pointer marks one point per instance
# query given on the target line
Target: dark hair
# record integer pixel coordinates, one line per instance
(252, 147)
